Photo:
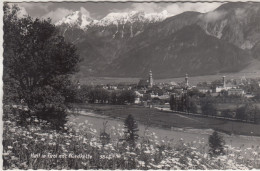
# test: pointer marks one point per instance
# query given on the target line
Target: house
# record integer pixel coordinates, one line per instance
(137, 100)
(204, 89)
(139, 94)
(248, 95)
(236, 92)
(224, 86)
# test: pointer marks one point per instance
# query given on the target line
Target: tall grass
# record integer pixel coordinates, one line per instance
(35, 146)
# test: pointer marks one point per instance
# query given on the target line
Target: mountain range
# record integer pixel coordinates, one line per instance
(130, 44)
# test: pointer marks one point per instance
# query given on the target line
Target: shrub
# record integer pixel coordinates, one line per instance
(39, 62)
(216, 144)
(131, 130)
(208, 107)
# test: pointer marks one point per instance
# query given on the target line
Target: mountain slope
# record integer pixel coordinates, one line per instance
(129, 44)
(189, 50)
(256, 51)
(237, 23)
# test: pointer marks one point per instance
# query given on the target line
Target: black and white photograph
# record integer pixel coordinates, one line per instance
(130, 85)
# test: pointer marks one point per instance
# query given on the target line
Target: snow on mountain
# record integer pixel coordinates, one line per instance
(76, 18)
(83, 21)
(134, 16)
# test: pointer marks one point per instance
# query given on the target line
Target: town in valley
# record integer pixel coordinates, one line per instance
(131, 85)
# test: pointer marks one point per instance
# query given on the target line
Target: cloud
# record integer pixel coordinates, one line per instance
(172, 8)
(22, 12)
(84, 11)
(144, 7)
(147, 7)
(213, 16)
(178, 8)
(58, 14)
(31, 6)
(240, 13)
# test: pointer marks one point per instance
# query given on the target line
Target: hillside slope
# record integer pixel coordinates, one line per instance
(189, 50)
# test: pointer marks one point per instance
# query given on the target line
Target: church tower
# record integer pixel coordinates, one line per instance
(224, 81)
(150, 79)
(186, 80)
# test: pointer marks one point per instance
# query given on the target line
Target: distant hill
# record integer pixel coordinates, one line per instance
(188, 50)
(237, 23)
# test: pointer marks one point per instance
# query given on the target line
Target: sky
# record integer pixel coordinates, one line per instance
(98, 10)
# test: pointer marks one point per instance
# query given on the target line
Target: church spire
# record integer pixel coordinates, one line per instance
(186, 80)
(224, 81)
(150, 79)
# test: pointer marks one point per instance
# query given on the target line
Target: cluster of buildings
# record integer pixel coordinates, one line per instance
(146, 89)
(224, 87)
(216, 90)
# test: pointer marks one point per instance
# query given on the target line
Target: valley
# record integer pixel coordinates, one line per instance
(193, 79)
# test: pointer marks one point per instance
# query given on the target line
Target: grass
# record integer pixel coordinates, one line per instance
(35, 146)
(107, 80)
(154, 117)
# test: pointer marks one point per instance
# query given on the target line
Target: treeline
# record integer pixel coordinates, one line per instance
(99, 95)
(183, 103)
(247, 112)
(208, 106)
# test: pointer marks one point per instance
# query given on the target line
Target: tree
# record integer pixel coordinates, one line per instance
(247, 112)
(194, 93)
(82, 94)
(39, 61)
(191, 105)
(257, 95)
(126, 96)
(241, 113)
(227, 113)
(208, 107)
(216, 144)
(173, 102)
(98, 94)
(131, 129)
(224, 93)
(114, 97)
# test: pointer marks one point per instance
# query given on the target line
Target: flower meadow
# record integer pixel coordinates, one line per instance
(79, 146)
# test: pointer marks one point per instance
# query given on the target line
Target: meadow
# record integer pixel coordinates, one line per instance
(167, 120)
(173, 134)
(79, 146)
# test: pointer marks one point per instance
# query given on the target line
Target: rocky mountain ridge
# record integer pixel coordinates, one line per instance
(132, 43)
(83, 21)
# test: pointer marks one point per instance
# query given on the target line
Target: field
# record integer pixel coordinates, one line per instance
(80, 146)
(106, 80)
(156, 118)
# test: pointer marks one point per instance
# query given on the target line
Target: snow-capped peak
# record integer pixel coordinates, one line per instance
(76, 18)
(157, 16)
(83, 21)
(133, 16)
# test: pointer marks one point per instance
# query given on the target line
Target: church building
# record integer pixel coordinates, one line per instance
(148, 82)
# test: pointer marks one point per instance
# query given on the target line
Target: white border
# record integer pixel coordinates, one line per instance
(1, 39)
